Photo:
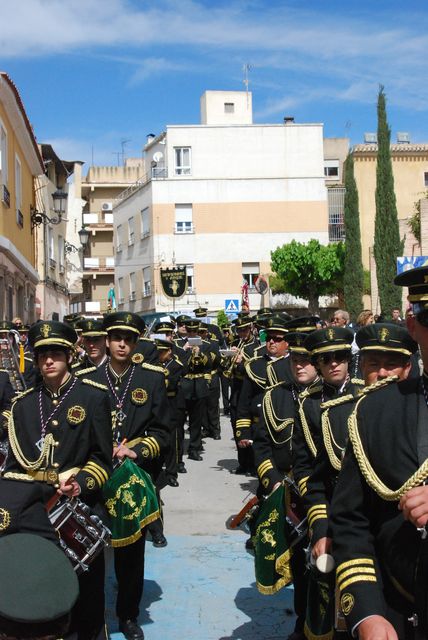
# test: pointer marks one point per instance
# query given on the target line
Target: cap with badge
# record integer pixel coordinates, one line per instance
(181, 320)
(162, 344)
(164, 326)
(417, 282)
(124, 321)
(275, 323)
(91, 328)
(6, 326)
(304, 324)
(51, 332)
(330, 339)
(192, 324)
(388, 337)
(42, 590)
(243, 321)
(200, 312)
(296, 340)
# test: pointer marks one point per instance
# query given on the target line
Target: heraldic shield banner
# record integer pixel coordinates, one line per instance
(174, 281)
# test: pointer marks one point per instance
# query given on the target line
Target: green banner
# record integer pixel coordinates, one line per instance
(272, 554)
(131, 502)
(174, 281)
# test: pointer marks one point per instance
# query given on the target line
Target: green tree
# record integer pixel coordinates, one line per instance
(387, 243)
(353, 275)
(308, 270)
(222, 318)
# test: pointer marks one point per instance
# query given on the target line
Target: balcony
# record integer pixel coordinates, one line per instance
(99, 265)
(101, 221)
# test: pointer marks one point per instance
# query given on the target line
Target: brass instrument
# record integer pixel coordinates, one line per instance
(9, 361)
(228, 373)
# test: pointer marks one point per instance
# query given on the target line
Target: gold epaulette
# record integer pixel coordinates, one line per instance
(153, 367)
(22, 394)
(250, 373)
(92, 383)
(336, 401)
(83, 371)
(379, 384)
(177, 359)
(309, 391)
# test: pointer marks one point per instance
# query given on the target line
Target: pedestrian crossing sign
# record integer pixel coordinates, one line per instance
(231, 305)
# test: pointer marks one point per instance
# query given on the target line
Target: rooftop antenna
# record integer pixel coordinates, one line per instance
(124, 142)
(246, 68)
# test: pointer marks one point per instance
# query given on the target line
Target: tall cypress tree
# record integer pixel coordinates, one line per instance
(353, 277)
(387, 243)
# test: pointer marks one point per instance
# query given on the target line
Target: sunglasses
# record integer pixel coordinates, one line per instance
(275, 338)
(334, 356)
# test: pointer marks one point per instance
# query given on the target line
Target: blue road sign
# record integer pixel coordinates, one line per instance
(231, 305)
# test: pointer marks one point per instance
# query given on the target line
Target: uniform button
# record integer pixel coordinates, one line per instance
(116, 388)
(55, 402)
(56, 465)
(57, 443)
(55, 423)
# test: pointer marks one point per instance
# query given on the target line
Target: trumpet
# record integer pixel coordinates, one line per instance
(228, 373)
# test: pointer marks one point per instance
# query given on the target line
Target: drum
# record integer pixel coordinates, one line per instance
(295, 516)
(81, 533)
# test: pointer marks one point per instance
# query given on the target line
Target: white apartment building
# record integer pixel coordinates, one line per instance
(217, 197)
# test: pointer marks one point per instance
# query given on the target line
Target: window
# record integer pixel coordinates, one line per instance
(229, 107)
(51, 248)
(119, 238)
(131, 231)
(147, 284)
(190, 278)
(145, 223)
(331, 169)
(3, 155)
(336, 204)
(250, 273)
(183, 218)
(120, 291)
(61, 253)
(426, 178)
(18, 192)
(132, 286)
(182, 161)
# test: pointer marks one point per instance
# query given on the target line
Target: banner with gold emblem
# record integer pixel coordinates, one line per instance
(174, 281)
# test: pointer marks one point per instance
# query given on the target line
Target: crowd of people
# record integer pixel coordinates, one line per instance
(329, 417)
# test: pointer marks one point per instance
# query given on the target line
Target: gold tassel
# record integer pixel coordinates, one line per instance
(21, 359)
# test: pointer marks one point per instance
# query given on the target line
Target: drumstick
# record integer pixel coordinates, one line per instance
(52, 502)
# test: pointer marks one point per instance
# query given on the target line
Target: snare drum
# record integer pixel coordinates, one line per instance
(81, 533)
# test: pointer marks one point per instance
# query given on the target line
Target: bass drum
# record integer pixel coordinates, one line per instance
(82, 535)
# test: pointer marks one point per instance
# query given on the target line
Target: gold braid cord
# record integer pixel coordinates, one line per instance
(368, 472)
(306, 431)
(261, 382)
(272, 421)
(45, 454)
(335, 462)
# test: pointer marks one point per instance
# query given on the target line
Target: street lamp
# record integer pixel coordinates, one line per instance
(83, 237)
(59, 198)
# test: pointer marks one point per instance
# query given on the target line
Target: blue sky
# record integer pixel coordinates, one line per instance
(95, 72)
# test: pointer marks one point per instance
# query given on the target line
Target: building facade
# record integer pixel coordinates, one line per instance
(217, 197)
(20, 165)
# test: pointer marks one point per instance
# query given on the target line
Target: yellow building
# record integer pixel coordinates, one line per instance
(20, 164)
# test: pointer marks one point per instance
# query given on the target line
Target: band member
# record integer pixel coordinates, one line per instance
(211, 420)
(255, 381)
(225, 382)
(93, 340)
(141, 433)
(60, 437)
(380, 504)
(244, 346)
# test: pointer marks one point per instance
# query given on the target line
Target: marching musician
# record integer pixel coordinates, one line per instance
(142, 431)
(273, 451)
(380, 504)
(244, 346)
(60, 437)
(93, 339)
(211, 421)
(225, 382)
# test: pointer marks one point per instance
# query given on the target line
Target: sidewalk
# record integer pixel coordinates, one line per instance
(201, 586)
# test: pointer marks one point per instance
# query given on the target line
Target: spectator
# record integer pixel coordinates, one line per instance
(365, 317)
(340, 318)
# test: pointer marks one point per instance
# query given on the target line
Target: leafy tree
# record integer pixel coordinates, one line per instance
(353, 276)
(415, 221)
(308, 270)
(387, 243)
(222, 318)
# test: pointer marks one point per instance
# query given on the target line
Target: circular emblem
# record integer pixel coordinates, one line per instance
(265, 482)
(238, 433)
(347, 603)
(139, 396)
(137, 358)
(90, 482)
(76, 414)
(145, 453)
(4, 519)
(52, 476)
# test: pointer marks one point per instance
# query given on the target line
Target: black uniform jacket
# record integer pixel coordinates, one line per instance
(146, 425)
(375, 549)
(79, 418)
(279, 371)
(250, 398)
(197, 379)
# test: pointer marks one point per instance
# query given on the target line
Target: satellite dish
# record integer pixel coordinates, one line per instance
(158, 156)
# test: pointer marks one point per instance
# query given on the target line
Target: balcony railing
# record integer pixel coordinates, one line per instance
(101, 219)
(98, 264)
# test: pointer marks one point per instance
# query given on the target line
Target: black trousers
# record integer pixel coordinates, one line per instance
(212, 408)
(88, 616)
(225, 393)
(129, 568)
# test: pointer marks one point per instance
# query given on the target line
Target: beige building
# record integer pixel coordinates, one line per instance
(20, 164)
(98, 190)
(218, 197)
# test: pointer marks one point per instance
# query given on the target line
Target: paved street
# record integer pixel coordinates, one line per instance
(201, 586)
